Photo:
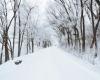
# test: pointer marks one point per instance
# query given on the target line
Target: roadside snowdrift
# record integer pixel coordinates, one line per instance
(47, 64)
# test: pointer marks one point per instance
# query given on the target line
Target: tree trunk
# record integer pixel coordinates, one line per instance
(82, 27)
(15, 17)
(32, 40)
(19, 40)
(6, 46)
(83, 37)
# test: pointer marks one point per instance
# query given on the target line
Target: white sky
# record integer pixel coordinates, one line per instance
(42, 4)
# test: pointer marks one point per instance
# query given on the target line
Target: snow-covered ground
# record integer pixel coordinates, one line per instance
(48, 64)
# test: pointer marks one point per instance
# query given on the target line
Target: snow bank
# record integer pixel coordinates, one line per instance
(47, 64)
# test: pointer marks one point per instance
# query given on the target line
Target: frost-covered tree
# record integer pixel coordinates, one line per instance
(15, 16)
(76, 22)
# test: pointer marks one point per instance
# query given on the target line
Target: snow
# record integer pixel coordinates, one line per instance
(47, 64)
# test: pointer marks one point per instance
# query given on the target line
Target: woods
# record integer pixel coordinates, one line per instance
(13, 21)
(49, 39)
(72, 24)
(77, 23)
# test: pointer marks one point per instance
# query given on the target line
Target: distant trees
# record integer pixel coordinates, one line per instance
(30, 29)
(24, 27)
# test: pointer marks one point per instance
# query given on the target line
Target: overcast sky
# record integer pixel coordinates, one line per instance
(42, 4)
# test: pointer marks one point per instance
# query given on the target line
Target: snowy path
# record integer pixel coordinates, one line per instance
(47, 64)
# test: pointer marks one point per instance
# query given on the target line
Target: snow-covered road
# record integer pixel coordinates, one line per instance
(47, 64)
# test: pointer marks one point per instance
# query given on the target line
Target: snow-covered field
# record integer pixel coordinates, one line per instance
(48, 64)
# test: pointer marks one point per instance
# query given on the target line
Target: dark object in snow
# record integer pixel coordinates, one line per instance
(18, 62)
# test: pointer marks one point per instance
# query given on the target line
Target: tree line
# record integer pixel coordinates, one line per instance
(16, 27)
(76, 22)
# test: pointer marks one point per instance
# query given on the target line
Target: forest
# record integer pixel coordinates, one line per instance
(49, 39)
(70, 24)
